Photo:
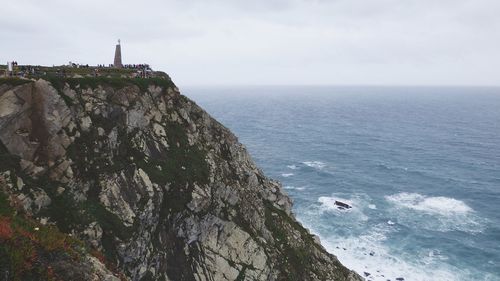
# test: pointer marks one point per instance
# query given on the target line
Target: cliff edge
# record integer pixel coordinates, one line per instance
(138, 172)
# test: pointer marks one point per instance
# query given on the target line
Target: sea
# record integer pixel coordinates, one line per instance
(420, 167)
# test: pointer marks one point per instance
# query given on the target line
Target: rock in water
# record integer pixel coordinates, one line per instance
(341, 205)
(145, 176)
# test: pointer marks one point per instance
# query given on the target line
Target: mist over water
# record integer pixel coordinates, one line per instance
(420, 166)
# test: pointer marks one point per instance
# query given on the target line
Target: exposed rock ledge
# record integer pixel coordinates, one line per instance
(144, 175)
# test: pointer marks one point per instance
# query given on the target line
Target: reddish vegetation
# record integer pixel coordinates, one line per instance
(5, 229)
(27, 247)
(24, 240)
(99, 256)
(50, 273)
(111, 266)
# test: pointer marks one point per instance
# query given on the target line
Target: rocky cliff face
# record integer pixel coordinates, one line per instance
(142, 174)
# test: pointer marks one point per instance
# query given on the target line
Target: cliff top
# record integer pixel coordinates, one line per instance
(80, 71)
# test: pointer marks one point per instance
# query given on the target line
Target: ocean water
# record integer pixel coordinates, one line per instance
(420, 167)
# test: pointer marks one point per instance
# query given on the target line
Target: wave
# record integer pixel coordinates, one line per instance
(435, 213)
(373, 254)
(286, 175)
(327, 204)
(372, 244)
(315, 164)
(437, 205)
(293, 167)
(370, 257)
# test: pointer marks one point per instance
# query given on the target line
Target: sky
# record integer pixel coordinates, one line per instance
(266, 42)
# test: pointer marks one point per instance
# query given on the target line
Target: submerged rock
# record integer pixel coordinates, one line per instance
(142, 174)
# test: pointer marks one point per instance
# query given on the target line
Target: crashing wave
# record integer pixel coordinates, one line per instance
(438, 205)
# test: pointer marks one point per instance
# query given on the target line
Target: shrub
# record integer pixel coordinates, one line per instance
(51, 239)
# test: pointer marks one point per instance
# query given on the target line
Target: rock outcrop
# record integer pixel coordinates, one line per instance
(142, 174)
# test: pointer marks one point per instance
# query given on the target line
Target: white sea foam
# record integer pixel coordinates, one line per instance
(293, 167)
(314, 164)
(368, 254)
(435, 213)
(433, 256)
(371, 249)
(356, 201)
(328, 203)
(438, 205)
(286, 175)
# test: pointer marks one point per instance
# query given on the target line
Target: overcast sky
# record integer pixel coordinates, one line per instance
(261, 42)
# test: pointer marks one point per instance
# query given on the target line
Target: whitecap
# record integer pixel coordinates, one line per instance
(286, 175)
(372, 206)
(438, 205)
(293, 167)
(314, 164)
(435, 213)
(389, 222)
(358, 203)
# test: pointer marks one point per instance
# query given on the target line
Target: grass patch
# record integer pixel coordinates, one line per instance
(180, 166)
(113, 82)
(296, 262)
(66, 213)
(109, 222)
(14, 81)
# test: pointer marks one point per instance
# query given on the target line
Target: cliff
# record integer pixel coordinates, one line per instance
(139, 183)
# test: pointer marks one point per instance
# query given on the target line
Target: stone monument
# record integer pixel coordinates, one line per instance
(118, 56)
